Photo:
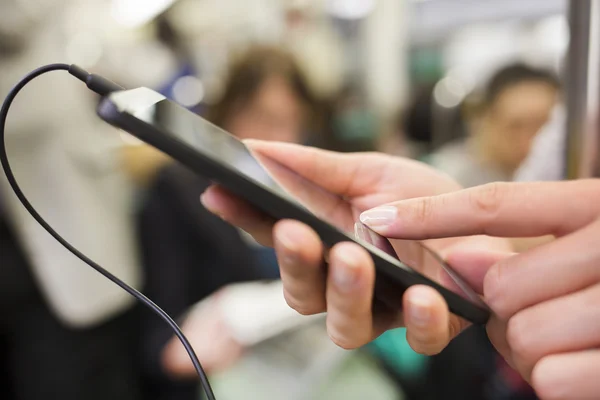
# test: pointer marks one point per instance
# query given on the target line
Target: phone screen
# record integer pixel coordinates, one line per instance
(216, 144)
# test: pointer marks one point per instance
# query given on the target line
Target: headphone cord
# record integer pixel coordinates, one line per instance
(101, 86)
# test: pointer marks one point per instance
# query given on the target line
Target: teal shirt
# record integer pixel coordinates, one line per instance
(393, 348)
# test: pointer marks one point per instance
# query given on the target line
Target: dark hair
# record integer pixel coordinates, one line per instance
(250, 71)
(514, 74)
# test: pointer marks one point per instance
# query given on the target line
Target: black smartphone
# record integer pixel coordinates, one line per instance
(283, 194)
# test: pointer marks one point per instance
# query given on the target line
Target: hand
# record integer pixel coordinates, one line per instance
(208, 334)
(546, 300)
(365, 181)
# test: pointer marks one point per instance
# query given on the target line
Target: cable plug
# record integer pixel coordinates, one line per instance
(96, 83)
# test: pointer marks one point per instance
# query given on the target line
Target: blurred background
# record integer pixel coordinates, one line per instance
(493, 90)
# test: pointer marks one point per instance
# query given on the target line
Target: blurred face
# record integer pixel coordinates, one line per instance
(274, 113)
(512, 121)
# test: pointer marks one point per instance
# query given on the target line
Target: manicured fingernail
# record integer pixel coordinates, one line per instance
(345, 274)
(419, 310)
(379, 216)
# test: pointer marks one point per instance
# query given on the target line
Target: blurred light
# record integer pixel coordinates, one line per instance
(84, 49)
(188, 91)
(449, 92)
(464, 78)
(350, 9)
(133, 13)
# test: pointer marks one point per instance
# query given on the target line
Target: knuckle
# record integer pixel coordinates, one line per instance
(494, 291)
(341, 340)
(426, 344)
(294, 272)
(348, 333)
(519, 339)
(487, 199)
(301, 307)
(455, 327)
(424, 209)
(426, 347)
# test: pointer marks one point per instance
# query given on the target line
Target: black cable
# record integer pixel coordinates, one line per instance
(101, 86)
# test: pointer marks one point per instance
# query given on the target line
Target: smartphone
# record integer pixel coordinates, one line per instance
(283, 194)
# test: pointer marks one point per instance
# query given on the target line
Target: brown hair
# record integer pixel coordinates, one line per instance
(248, 72)
(515, 74)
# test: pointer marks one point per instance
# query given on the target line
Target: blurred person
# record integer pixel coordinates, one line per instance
(545, 162)
(412, 133)
(517, 102)
(546, 159)
(415, 130)
(266, 96)
(186, 251)
(66, 332)
(187, 256)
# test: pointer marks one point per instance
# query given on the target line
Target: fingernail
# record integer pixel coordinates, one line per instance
(379, 216)
(419, 310)
(345, 274)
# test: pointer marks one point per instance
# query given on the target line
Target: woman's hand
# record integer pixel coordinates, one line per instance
(546, 300)
(345, 292)
(211, 339)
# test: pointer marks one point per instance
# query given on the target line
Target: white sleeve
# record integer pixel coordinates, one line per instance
(257, 311)
(545, 161)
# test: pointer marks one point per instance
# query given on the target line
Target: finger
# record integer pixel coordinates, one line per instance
(350, 283)
(562, 325)
(300, 256)
(472, 243)
(555, 269)
(498, 209)
(429, 324)
(568, 376)
(239, 213)
(338, 172)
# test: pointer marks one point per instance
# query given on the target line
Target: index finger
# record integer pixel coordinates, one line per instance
(498, 209)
